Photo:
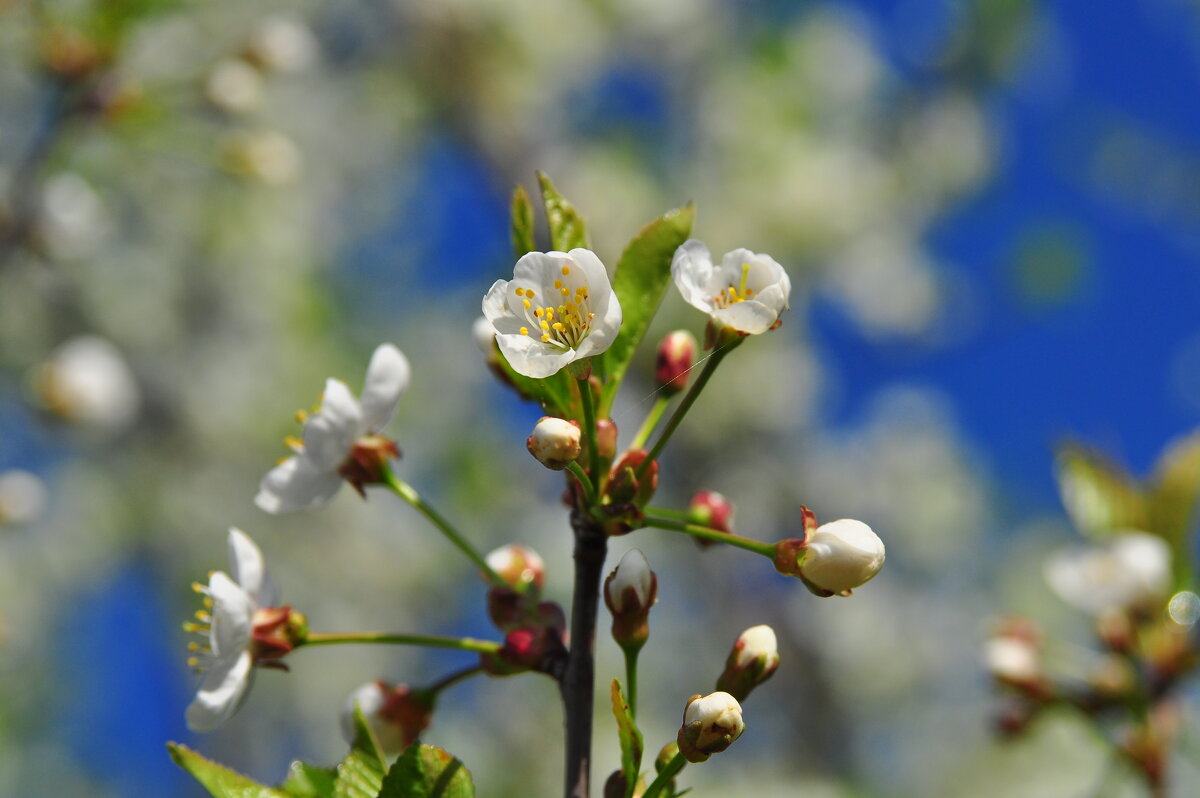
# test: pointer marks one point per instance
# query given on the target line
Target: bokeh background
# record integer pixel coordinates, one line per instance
(989, 212)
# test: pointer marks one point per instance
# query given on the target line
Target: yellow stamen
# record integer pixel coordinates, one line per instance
(564, 291)
(538, 312)
(201, 615)
(192, 662)
(524, 331)
(197, 587)
(292, 442)
(545, 325)
(301, 416)
(526, 303)
(545, 337)
(520, 292)
(558, 325)
(558, 283)
(566, 270)
(745, 274)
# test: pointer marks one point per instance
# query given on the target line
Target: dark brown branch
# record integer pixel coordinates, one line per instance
(577, 684)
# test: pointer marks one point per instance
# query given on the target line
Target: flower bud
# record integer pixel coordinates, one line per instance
(520, 567)
(397, 714)
(555, 442)
(711, 509)
(710, 725)
(528, 648)
(752, 660)
(615, 786)
(1013, 657)
(629, 593)
(606, 439)
(836, 558)
(675, 357)
(625, 487)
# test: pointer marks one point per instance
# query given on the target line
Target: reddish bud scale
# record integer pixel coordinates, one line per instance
(526, 649)
(409, 711)
(274, 633)
(367, 460)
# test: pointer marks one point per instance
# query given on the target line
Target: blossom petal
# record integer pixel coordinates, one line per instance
(296, 484)
(692, 270)
(220, 694)
(497, 310)
(387, 377)
(749, 317)
(248, 568)
(533, 358)
(331, 432)
(232, 616)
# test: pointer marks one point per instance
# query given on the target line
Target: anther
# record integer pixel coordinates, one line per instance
(524, 331)
(301, 416)
(566, 270)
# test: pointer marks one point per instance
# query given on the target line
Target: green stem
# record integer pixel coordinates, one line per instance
(410, 495)
(433, 641)
(757, 546)
(589, 493)
(589, 429)
(652, 419)
(669, 772)
(689, 399)
(454, 678)
(631, 658)
(668, 512)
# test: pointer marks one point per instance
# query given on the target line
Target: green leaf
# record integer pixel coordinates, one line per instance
(309, 781)
(641, 279)
(632, 745)
(219, 780)
(1173, 492)
(1099, 496)
(360, 774)
(424, 771)
(553, 393)
(522, 222)
(567, 229)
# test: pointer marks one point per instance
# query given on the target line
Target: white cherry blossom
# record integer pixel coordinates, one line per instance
(1132, 571)
(313, 474)
(747, 292)
(558, 308)
(226, 658)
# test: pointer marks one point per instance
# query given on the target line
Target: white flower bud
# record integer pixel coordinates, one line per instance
(632, 586)
(710, 725)
(757, 642)
(397, 714)
(88, 381)
(518, 566)
(1013, 659)
(841, 555)
(484, 335)
(555, 442)
(234, 86)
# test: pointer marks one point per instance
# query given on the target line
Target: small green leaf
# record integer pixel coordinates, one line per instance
(309, 781)
(360, 774)
(1173, 492)
(1099, 496)
(424, 771)
(219, 780)
(567, 229)
(632, 745)
(522, 222)
(641, 279)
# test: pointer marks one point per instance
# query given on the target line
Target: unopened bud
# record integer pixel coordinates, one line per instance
(555, 442)
(710, 725)
(752, 660)
(629, 593)
(711, 509)
(520, 567)
(834, 559)
(525, 649)
(625, 486)
(1013, 657)
(616, 784)
(606, 439)
(674, 360)
(397, 714)
(484, 334)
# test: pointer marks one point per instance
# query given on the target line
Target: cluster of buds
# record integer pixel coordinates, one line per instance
(396, 713)
(833, 558)
(534, 630)
(627, 491)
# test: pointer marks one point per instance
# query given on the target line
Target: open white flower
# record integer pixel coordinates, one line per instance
(559, 307)
(233, 605)
(841, 555)
(1131, 572)
(747, 292)
(342, 426)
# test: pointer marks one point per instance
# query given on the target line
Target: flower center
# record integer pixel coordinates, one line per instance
(733, 295)
(564, 325)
